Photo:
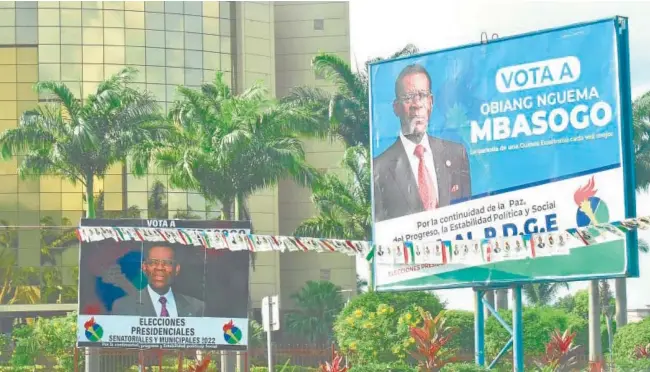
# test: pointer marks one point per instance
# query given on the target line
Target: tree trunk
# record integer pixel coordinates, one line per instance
(226, 210)
(595, 343)
(90, 196)
(502, 299)
(620, 286)
(610, 332)
(91, 354)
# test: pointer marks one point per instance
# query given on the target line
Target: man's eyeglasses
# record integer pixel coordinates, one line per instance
(412, 97)
(156, 262)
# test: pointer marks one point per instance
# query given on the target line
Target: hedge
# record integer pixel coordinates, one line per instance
(628, 337)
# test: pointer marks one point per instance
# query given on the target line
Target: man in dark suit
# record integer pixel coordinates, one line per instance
(158, 299)
(418, 172)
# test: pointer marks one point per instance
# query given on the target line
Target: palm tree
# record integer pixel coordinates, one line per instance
(541, 294)
(317, 305)
(228, 146)
(641, 124)
(343, 205)
(343, 114)
(79, 140)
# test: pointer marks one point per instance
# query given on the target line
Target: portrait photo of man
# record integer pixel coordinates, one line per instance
(418, 172)
(158, 298)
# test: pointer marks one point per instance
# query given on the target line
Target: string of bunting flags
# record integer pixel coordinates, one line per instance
(434, 252)
(476, 252)
(216, 239)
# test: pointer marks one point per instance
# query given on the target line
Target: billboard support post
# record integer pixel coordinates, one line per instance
(479, 328)
(269, 338)
(518, 330)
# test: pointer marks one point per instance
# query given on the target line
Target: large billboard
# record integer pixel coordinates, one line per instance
(519, 136)
(162, 284)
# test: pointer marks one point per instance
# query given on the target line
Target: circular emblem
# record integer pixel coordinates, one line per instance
(94, 331)
(231, 333)
(599, 212)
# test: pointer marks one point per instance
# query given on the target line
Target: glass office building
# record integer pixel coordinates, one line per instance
(170, 43)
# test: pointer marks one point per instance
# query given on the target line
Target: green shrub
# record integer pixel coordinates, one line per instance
(383, 367)
(373, 327)
(26, 346)
(463, 367)
(463, 340)
(633, 365)
(539, 322)
(22, 368)
(628, 337)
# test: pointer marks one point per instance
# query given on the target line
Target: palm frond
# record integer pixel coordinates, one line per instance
(336, 70)
(641, 123)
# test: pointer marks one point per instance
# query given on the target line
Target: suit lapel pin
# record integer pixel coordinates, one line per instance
(448, 163)
(454, 188)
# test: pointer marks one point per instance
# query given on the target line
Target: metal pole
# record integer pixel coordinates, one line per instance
(518, 330)
(479, 329)
(269, 341)
(595, 344)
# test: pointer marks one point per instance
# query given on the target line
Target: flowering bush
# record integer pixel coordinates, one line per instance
(642, 352)
(337, 365)
(430, 341)
(561, 354)
(373, 327)
(375, 336)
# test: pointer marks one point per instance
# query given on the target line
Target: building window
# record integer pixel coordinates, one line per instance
(319, 24)
(324, 274)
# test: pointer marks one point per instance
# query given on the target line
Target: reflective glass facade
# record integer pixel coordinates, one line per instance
(81, 43)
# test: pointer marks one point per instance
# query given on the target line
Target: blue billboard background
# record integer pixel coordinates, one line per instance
(465, 78)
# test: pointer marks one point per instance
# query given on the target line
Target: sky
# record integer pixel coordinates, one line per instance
(378, 31)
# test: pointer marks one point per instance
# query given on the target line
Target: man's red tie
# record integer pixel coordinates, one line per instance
(425, 183)
(163, 311)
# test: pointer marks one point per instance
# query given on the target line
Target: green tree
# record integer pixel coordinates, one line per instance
(578, 304)
(49, 338)
(463, 340)
(228, 146)
(540, 294)
(317, 305)
(641, 124)
(539, 323)
(80, 140)
(343, 114)
(343, 204)
(629, 337)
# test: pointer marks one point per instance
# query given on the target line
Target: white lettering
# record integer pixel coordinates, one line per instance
(557, 120)
(538, 74)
